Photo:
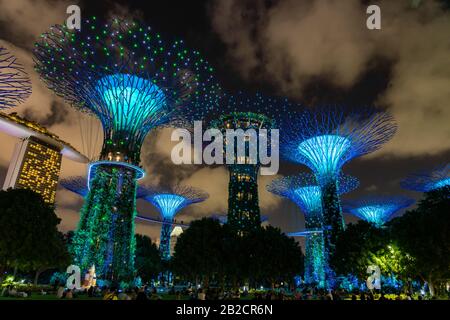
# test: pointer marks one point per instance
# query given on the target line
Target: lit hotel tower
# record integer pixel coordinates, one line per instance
(36, 161)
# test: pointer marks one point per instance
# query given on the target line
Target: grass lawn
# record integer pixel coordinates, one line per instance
(37, 296)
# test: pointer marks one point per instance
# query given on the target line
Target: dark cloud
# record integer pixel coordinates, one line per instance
(314, 51)
(58, 114)
(321, 50)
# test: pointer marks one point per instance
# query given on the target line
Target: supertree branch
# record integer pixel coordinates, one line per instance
(126, 75)
(430, 180)
(76, 184)
(326, 138)
(15, 85)
(377, 209)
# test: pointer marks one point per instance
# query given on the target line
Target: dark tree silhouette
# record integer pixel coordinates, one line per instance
(29, 238)
(148, 261)
(209, 252)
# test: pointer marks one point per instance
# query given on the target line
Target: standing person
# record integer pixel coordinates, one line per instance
(91, 291)
(69, 294)
(60, 291)
(362, 296)
(201, 295)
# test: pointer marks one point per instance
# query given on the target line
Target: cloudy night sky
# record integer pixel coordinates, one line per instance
(314, 52)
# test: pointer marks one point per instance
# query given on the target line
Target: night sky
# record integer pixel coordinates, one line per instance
(314, 52)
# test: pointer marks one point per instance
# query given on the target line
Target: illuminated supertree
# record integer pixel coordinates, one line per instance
(169, 202)
(427, 181)
(254, 116)
(324, 140)
(376, 209)
(15, 86)
(132, 81)
(304, 190)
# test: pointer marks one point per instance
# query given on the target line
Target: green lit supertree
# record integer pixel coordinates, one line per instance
(133, 81)
(256, 117)
(304, 190)
(324, 140)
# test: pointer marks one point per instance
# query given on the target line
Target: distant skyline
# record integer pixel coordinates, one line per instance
(313, 52)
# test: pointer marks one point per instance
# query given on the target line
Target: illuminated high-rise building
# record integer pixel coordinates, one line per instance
(36, 161)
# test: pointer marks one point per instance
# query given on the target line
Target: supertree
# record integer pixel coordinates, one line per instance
(430, 180)
(247, 124)
(324, 140)
(304, 190)
(169, 202)
(15, 86)
(132, 81)
(376, 209)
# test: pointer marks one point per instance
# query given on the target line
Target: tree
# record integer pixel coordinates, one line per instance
(356, 246)
(363, 244)
(29, 239)
(208, 252)
(148, 261)
(424, 233)
(272, 256)
(199, 251)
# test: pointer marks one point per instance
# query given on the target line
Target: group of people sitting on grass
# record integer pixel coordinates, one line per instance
(146, 293)
(10, 291)
(108, 293)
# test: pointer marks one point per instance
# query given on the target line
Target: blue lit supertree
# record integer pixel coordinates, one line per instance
(427, 181)
(15, 86)
(304, 190)
(324, 140)
(256, 115)
(169, 202)
(377, 209)
(133, 81)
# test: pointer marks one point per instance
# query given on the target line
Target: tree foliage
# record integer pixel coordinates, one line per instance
(29, 239)
(356, 247)
(148, 261)
(209, 252)
(414, 245)
(424, 233)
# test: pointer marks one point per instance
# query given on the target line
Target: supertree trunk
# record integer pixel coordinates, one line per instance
(314, 260)
(164, 244)
(123, 231)
(105, 235)
(332, 214)
(243, 204)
